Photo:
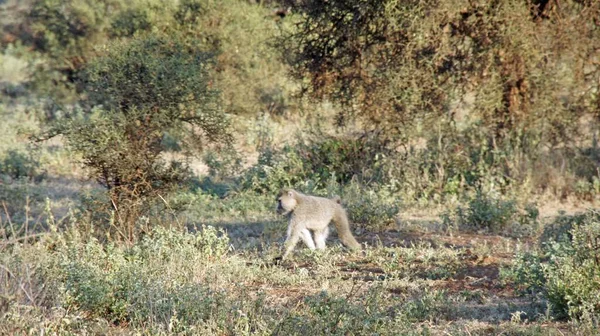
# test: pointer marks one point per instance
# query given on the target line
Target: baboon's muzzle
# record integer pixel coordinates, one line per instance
(280, 210)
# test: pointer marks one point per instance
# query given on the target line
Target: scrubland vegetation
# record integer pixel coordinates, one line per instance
(142, 144)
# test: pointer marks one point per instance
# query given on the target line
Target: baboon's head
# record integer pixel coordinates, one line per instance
(286, 201)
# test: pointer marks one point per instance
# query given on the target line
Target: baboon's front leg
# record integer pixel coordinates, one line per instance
(290, 243)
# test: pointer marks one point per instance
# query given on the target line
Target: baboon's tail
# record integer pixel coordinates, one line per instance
(343, 230)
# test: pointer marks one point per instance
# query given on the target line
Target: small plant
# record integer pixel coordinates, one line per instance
(277, 169)
(527, 272)
(432, 305)
(320, 161)
(560, 229)
(67, 30)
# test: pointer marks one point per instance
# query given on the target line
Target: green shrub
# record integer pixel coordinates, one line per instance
(527, 272)
(207, 244)
(574, 273)
(118, 283)
(250, 76)
(126, 23)
(344, 158)
(432, 305)
(492, 214)
(67, 30)
(560, 228)
(189, 11)
(277, 169)
(225, 164)
(159, 72)
(147, 87)
(568, 272)
(318, 162)
(369, 208)
(63, 35)
(17, 164)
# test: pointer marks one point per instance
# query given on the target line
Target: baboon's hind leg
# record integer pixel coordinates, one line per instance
(307, 239)
(321, 237)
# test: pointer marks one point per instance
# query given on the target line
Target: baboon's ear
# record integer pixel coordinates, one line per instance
(290, 193)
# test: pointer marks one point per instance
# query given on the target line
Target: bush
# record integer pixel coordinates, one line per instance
(494, 215)
(560, 229)
(318, 162)
(17, 164)
(344, 158)
(527, 272)
(67, 30)
(251, 77)
(117, 283)
(224, 164)
(130, 21)
(425, 58)
(567, 273)
(139, 91)
(372, 209)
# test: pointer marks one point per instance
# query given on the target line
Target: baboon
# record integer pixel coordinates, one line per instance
(310, 213)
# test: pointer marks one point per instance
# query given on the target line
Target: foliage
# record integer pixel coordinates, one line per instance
(567, 273)
(63, 35)
(17, 164)
(559, 230)
(321, 160)
(112, 282)
(225, 164)
(446, 72)
(140, 90)
(252, 79)
(527, 272)
(130, 21)
(276, 169)
(370, 208)
(155, 72)
(402, 61)
(492, 214)
(66, 31)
